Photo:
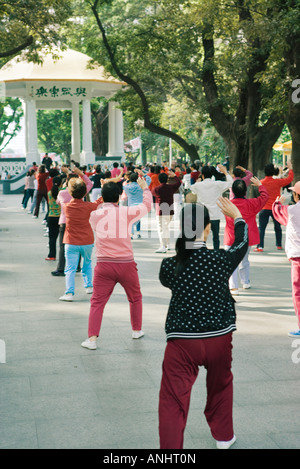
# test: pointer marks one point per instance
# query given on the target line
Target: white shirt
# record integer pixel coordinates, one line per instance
(208, 191)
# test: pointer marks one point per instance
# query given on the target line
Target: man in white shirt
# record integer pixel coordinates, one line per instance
(208, 191)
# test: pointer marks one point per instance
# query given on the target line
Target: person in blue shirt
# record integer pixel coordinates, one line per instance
(135, 197)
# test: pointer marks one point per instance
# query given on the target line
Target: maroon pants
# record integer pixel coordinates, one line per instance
(180, 370)
(106, 275)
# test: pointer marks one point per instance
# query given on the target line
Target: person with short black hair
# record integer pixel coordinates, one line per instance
(115, 259)
(273, 186)
(53, 217)
(164, 197)
(249, 208)
(208, 191)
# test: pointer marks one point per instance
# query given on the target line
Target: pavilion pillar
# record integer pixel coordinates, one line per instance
(87, 155)
(31, 136)
(115, 131)
(75, 132)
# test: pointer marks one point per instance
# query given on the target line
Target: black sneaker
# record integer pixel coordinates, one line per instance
(57, 273)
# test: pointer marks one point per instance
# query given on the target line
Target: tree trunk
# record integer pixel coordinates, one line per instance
(293, 123)
(292, 117)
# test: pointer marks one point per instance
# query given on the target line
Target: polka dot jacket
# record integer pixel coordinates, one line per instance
(201, 304)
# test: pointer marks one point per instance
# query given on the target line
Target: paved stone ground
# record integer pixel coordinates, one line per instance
(56, 395)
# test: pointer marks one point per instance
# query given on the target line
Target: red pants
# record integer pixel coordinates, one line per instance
(296, 286)
(106, 276)
(180, 370)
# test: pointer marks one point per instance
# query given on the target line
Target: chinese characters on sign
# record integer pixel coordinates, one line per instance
(54, 91)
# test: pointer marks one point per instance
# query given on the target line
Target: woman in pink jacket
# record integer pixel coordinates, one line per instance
(289, 215)
(249, 208)
(115, 261)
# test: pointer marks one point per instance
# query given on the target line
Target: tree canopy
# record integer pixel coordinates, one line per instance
(222, 57)
(29, 25)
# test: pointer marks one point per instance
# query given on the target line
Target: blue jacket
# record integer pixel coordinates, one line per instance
(134, 193)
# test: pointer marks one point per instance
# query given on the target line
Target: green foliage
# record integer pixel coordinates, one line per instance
(11, 112)
(54, 131)
(29, 25)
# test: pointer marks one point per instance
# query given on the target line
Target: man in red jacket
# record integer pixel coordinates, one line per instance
(249, 208)
(273, 186)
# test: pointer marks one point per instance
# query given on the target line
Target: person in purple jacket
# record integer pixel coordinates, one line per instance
(164, 194)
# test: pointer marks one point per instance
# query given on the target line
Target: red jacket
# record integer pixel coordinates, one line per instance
(249, 208)
(164, 197)
(273, 186)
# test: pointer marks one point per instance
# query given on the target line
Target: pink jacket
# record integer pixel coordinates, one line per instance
(64, 197)
(112, 224)
(249, 208)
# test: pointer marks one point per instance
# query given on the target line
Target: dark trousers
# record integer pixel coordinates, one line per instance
(53, 234)
(180, 370)
(263, 219)
(215, 228)
(28, 194)
(39, 198)
(61, 255)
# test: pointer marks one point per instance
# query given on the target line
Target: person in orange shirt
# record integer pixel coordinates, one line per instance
(273, 186)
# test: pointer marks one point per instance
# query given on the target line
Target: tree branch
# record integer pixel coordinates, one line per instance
(148, 124)
(17, 49)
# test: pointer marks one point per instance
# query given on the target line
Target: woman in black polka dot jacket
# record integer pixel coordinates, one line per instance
(199, 326)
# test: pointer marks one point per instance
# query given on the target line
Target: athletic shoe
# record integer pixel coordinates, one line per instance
(279, 248)
(161, 249)
(137, 334)
(89, 290)
(138, 236)
(234, 291)
(258, 250)
(90, 344)
(57, 273)
(66, 297)
(225, 444)
(294, 334)
(246, 286)
(50, 258)
(34, 216)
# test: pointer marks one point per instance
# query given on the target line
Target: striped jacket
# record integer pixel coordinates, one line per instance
(201, 304)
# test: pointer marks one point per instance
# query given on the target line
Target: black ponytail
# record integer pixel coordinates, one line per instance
(193, 220)
(55, 186)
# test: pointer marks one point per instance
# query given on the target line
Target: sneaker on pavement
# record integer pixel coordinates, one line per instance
(234, 291)
(161, 249)
(246, 286)
(258, 250)
(90, 344)
(89, 290)
(279, 248)
(225, 444)
(294, 334)
(50, 258)
(66, 297)
(57, 273)
(137, 334)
